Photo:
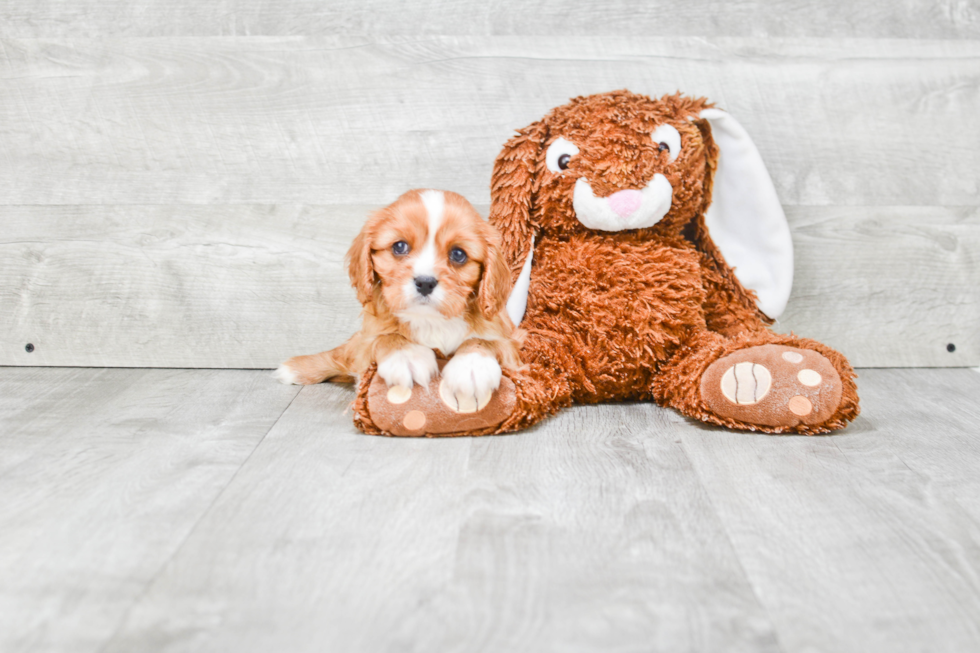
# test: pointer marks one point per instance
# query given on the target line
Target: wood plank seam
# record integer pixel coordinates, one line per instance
(149, 584)
(675, 422)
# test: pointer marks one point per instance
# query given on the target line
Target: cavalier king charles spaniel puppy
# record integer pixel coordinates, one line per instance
(431, 277)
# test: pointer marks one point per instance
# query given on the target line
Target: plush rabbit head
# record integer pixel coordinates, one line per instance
(622, 162)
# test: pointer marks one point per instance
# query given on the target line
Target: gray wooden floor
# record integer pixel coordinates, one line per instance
(206, 510)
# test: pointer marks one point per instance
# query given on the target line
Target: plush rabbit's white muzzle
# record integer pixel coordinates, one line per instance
(625, 209)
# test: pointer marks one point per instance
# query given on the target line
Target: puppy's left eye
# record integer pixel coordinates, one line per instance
(457, 256)
(400, 248)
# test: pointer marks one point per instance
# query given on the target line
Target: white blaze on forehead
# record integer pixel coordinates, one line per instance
(435, 207)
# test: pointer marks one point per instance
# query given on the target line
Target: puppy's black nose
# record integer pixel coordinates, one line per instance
(425, 285)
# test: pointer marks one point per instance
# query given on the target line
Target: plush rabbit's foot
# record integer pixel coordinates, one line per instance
(453, 403)
(772, 385)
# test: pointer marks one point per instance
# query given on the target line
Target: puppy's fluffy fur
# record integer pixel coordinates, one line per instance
(431, 276)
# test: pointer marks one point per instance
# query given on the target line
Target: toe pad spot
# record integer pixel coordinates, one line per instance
(800, 406)
(414, 420)
(809, 378)
(399, 394)
(792, 357)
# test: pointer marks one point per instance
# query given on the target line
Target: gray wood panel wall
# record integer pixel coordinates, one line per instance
(179, 181)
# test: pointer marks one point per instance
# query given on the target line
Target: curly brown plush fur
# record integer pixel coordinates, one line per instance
(640, 313)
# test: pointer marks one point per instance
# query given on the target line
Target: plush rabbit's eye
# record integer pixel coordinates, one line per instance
(457, 256)
(400, 248)
(560, 154)
(668, 139)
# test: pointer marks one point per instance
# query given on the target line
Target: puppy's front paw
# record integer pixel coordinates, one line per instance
(468, 381)
(411, 364)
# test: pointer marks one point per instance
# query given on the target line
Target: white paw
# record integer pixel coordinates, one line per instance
(411, 364)
(286, 374)
(468, 381)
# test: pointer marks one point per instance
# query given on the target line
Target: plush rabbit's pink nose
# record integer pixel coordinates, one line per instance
(625, 202)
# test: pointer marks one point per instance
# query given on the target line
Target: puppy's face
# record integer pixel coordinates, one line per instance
(430, 252)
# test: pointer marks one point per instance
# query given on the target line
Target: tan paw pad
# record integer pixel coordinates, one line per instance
(772, 385)
(430, 411)
(746, 383)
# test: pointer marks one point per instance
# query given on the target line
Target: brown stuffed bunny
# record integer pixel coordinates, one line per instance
(649, 252)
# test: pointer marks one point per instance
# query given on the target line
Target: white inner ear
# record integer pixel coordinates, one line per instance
(517, 302)
(745, 219)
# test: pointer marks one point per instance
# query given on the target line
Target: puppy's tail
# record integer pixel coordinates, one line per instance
(335, 365)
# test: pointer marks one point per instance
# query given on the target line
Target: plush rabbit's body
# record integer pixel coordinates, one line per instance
(615, 317)
(612, 308)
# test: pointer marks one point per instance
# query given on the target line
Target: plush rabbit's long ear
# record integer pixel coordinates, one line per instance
(745, 219)
(512, 188)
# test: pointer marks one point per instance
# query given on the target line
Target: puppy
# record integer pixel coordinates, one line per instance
(431, 276)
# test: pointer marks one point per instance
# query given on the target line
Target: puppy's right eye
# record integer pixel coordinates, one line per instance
(457, 256)
(560, 154)
(400, 248)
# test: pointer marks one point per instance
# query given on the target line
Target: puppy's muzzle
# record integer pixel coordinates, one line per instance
(425, 285)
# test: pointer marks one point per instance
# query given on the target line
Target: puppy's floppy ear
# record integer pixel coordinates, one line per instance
(495, 283)
(744, 218)
(360, 266)
(512, 188)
